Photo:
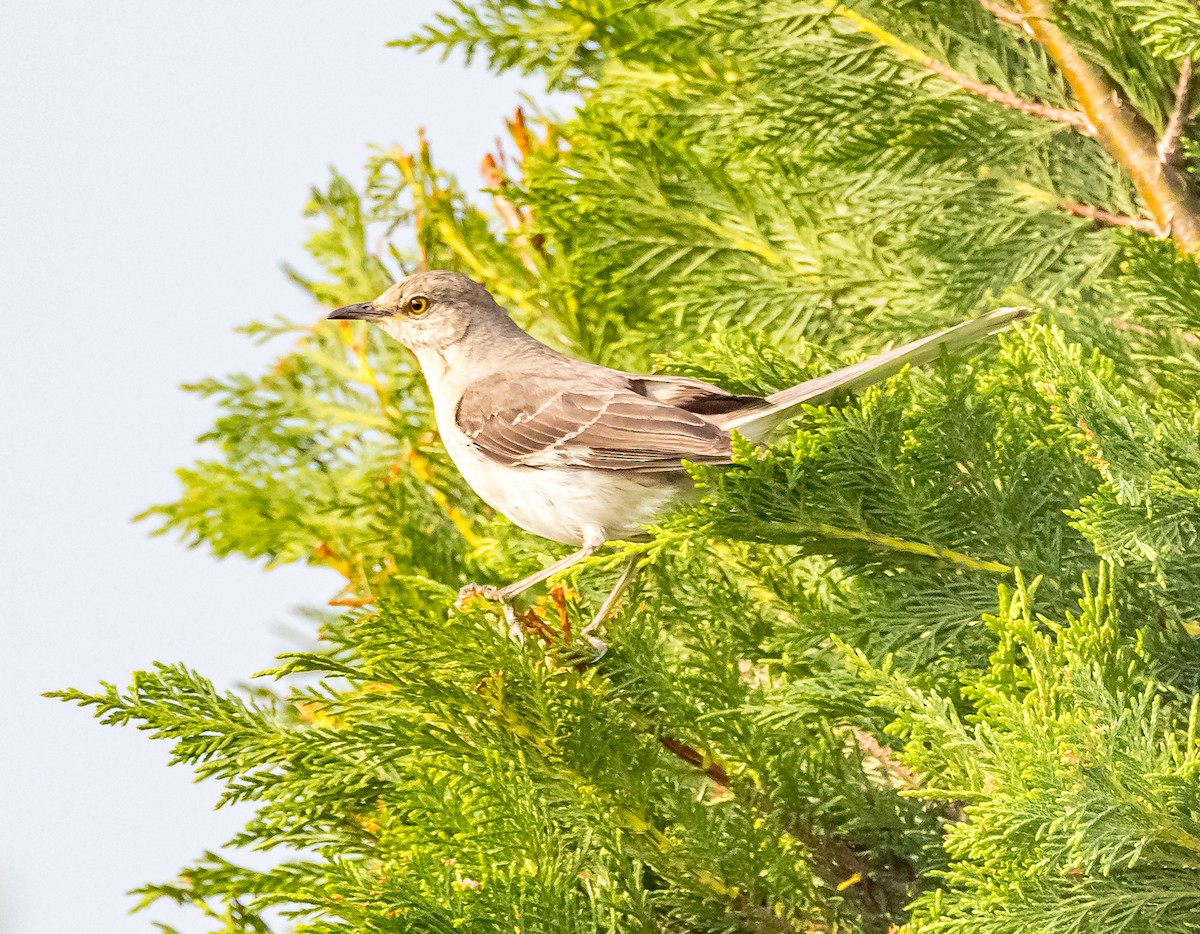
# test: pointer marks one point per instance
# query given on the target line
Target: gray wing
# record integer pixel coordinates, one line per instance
(608, 421)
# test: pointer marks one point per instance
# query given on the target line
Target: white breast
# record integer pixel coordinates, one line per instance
(559, 503)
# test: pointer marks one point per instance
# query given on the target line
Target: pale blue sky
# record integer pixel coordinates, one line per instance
(155, 158)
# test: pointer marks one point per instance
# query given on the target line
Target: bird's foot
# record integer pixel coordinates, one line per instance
(588, 635)
(599, 646)
(516, 631)
(482, 591)
(491, 594)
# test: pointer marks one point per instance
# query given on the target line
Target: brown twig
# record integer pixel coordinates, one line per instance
(1122, 325)
(714, 770)
(519, 131)
(1071, 118)
(1168, 145)
(1168, 192)
(516, 219)
(494, 179)
(897, 771)
(884, 887)
(1144, 224)
(509, 213)
(1007, 15)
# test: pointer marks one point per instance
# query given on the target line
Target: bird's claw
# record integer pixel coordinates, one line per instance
(482, 591)
(588, 635)
(491, 594)
(599, 646)
(516, 630)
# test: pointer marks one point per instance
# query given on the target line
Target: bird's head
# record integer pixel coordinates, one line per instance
(429, 310)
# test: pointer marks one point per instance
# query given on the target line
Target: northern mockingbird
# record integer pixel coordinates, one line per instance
(580, 453)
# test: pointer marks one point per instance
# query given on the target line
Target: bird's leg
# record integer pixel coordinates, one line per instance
(593, 539)
(516, 630)
(624, 579)
(505, 594)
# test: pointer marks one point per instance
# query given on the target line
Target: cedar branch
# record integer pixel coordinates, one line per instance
(1006, 15)
(1169, 194)
(1143, 224)
(1071, 118)
(1168, 146)
(1122, 325)
(514, 221)
(896, 771)
(883, 887)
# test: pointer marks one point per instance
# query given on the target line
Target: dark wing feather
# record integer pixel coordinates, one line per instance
(693, 395)
(532, 421)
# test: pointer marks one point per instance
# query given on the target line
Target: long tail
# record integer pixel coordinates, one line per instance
(758, 423)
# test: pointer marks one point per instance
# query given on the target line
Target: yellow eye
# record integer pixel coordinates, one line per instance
(418, 305)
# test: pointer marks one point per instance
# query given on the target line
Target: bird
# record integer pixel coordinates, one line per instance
(579, 453)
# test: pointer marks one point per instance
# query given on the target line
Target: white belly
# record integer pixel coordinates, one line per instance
(560, 503)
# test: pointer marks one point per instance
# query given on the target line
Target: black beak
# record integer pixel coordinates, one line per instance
(363, 311)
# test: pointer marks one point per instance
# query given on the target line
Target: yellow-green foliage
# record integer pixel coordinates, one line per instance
(815, 714)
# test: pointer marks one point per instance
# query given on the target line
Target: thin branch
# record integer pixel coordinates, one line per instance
(493, 178)
(895, 543)
(1169, 193)
(519, 131)
(1168, 146)
(515, 220)
(883, 887)
(1122, 325)
(896, 771)
(1006, 15)
(714, 771)
(1071, 118)
(1144, 224)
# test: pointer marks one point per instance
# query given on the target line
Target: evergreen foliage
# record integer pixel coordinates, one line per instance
(931, 662)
